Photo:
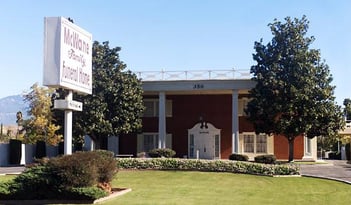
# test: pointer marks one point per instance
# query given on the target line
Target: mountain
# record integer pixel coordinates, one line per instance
(9, 106)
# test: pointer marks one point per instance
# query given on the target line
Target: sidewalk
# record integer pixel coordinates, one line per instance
(337, 170)
(11, 170)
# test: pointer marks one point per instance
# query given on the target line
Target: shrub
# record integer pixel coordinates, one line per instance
(208, 165)
(34, 183)
(85, 193)
(84, 169)
(76, 170)
(266, 159)
(15, 151)
(163, 152)
(106, 165)
(238, 157)
(73, 176)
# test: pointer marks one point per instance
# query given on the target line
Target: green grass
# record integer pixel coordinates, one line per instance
(5, 178)
(178, 187)
(175, 187)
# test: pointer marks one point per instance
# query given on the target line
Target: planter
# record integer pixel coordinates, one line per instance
(40, 150)
(15, 151)
(61, 148)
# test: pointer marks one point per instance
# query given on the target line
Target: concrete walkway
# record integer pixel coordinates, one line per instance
(11, 170)
(333, 169)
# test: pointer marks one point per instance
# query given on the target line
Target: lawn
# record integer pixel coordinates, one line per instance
(179, 187)
(176, 187)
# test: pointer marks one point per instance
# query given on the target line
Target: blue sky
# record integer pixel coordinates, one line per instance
(172, 35)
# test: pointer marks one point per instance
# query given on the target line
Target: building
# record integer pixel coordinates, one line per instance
(200, 114)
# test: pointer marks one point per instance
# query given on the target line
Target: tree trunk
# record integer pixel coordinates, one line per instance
(291, 148)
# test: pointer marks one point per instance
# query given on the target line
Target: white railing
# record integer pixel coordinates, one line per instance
(193, 75)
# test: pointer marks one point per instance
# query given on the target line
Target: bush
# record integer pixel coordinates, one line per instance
(73, 176)
(15, 151)
(266, 159)
(207, 165)
(76, 170)
(106, 165)
(85, 193)
(163, 152)
(84, 169)
(238, 157)
(34, 183)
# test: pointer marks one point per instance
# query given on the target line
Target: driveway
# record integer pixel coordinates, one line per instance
(333, 169)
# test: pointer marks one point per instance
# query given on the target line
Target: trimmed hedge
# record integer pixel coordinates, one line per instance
(161, 152)
(266, 159)
(238, 157)
(208, 165)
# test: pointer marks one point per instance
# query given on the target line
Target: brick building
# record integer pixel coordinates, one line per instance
(201, 114)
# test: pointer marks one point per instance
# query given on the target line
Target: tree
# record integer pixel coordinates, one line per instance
(293, 95)
(115, 105)
(347, 108)
(40, 126)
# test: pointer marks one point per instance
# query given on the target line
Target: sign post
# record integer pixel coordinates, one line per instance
(68, 65)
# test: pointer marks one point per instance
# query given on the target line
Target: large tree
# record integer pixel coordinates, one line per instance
(293, 95)
(115, 105)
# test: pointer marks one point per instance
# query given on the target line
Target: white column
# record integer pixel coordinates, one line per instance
(235, 122)
(68, 127)
(162, 120)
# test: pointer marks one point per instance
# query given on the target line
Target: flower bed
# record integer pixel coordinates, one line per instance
(208, 165)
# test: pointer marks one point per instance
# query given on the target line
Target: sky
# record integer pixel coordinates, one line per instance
(172, 35)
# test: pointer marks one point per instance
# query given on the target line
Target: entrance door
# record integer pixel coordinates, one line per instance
(204, 141)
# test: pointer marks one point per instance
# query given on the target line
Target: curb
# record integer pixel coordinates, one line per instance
(329, 178)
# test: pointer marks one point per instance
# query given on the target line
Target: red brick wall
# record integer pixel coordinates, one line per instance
(215, 109)
(281, 147)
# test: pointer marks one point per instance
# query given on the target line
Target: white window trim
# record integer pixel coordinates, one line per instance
(255, 143)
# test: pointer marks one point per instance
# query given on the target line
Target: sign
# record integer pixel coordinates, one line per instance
(67, 55)
(68, 105)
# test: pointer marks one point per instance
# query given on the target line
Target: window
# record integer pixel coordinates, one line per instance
(242, 106)
(261, 143)
(191, 146)
(249, 145)
(308, 147)
(149, 141)
(151, 108)
(217, 146)
(255, 143)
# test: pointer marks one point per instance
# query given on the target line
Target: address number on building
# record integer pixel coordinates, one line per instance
(198, 86)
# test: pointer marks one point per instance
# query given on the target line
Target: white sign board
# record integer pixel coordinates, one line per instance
(67, 55)
(68, 105)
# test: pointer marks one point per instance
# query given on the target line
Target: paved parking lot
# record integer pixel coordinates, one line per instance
(334, 169)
